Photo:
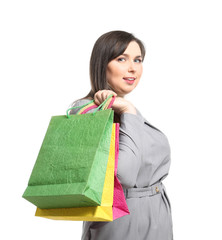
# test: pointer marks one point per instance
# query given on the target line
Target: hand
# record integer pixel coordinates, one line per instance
(120, 104)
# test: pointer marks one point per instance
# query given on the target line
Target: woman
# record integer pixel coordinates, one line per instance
(144, 151)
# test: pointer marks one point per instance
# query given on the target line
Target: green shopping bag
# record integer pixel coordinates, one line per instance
(71, 165)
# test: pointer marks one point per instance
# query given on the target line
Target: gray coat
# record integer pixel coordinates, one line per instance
(144, 161)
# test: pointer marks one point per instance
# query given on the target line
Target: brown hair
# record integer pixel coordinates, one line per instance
(108, 47)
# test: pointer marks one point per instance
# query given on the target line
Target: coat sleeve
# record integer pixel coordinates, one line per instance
(130, 149)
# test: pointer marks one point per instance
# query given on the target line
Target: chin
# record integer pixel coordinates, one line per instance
(126, 93)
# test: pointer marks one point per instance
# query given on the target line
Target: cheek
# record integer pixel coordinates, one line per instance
(114, 73)
(140, 71)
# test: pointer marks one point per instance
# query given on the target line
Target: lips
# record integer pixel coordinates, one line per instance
(129, 80)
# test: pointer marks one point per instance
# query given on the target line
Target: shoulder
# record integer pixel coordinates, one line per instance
(79, 103)
(147, 122)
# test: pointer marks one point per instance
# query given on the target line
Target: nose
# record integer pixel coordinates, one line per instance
(132, 66)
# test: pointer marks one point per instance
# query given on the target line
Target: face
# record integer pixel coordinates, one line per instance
(123, 73)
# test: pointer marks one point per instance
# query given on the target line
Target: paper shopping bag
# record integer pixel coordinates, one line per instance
(71, 165)
(104, 212)
(120, 207)
(113, 205)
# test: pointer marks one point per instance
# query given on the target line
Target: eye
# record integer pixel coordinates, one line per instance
(121, 59)
(138, 60)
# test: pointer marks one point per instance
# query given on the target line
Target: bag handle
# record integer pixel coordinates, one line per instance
(86, 107)
(92, 105)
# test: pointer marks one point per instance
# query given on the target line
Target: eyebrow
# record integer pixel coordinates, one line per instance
(127, 55)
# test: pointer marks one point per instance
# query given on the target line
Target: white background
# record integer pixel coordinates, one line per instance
(45, 48)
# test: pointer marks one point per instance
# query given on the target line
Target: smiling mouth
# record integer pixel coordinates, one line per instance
(130, 78)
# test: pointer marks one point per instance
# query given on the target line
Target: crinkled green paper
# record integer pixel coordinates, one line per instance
(71, 165)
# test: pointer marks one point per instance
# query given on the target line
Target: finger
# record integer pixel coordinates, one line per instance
(97, 98)
(104, 95)
(111, 92)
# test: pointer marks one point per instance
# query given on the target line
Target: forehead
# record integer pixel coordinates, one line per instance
(133, 49)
